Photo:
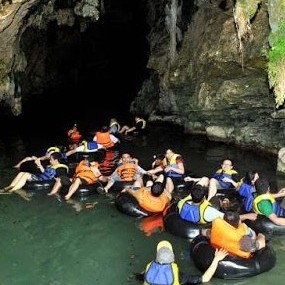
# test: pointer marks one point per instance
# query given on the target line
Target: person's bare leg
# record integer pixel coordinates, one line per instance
(109, 185)
(204, 181)
(19, 181)
(169, 186)
(212, 188)
(57, 185)
(73, 187)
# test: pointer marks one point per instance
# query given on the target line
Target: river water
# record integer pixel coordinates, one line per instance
(46, 241)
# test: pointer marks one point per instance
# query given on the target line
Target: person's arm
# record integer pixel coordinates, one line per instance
(179, 170)
(279, 194)
(130, 130)
(70, 152)
(248, 216)
(220, 254)
(277, 220)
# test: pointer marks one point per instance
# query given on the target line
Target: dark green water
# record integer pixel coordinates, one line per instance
(48, 242)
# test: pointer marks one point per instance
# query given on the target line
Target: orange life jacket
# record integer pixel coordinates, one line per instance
(127, 171)
(224, 235)
(75, 136)
(150, 203)
(83, 171)
(104, 139)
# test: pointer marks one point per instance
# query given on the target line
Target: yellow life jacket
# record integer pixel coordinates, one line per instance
(262, 197)
(118, 127)
(224, 235)
(61, 169)
(199, 213)
(143, 123)
(172, 161)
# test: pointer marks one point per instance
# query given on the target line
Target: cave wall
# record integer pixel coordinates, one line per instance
(199, 78)
(211, 87)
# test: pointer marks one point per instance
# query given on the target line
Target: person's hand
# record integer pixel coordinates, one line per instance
(167, 169)
(38, 162)
(281, 191)
(227, 179)
(261, 241)
(250, 216)
(220, 254)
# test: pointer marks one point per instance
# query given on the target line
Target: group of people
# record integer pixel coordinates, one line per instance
(228, 233)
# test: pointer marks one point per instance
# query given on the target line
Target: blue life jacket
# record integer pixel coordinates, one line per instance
(159, 274)
(246, 191)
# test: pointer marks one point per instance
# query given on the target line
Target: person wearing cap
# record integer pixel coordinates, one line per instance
(265, 202)
(164, 270)
(33, 158)
(55, 169)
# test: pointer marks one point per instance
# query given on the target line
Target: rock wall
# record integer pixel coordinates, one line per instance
(213, 88)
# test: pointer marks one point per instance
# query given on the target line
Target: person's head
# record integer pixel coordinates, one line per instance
(126, 157)
(227, 165)
(197, 193)
(158, 158)
(113, 120)
(104, 129)
(246, 243)
(232, 217)
(74, 127)
(164, 252)
(52, 149)
(157, 189)
(250, 177)
(137, 117)
(55, 157)
(169, 153)
(262, 186)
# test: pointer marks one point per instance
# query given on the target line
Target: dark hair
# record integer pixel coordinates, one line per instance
(104, 129)
(249, 176)
(159, 156)
(56, 155)
(157, 189)
(197, 193)
(232, 217)
(261, 186)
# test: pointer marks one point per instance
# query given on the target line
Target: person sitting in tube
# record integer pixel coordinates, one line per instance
(164, 270)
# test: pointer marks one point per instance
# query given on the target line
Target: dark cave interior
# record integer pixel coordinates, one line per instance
(85, 77)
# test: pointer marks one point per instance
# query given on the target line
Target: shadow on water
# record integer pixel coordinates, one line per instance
(48, 241)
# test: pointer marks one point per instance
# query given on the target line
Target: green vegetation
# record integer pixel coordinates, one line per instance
(276, 65)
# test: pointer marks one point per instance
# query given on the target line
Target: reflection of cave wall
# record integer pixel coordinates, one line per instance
(109, 58)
